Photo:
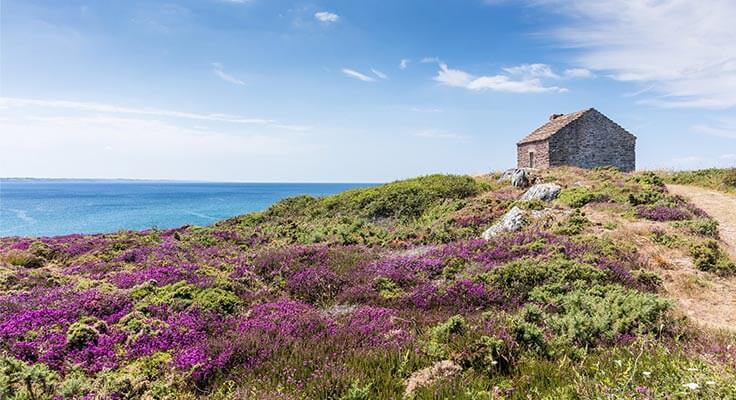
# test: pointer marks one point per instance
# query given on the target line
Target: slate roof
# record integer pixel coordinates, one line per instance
(553, 126)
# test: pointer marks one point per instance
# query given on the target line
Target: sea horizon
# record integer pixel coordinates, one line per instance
(53, 207)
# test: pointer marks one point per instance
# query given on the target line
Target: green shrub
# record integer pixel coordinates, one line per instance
(645, 197)
(588, 315)
(23, 259)
(648, 280)
(436, 346)
(576, 197)
(661, 237)
(387, 288)
(701, 226)
(84, 331)
(648, 178)
(183, 294)
(574, 224)
(709, 257)
(407, 199)
(519, 278)
(488, 355)
(20, 381)
(357, 391)
(217, 299)
(40, 249)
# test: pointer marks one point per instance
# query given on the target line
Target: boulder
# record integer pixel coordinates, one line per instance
(542, 191)
(520, 178)
(512, 221)
(440, 370)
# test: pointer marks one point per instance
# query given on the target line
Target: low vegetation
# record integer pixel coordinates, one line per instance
(714, 178)
(355, 295)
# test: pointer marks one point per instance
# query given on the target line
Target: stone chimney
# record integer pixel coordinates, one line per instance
(555, 116)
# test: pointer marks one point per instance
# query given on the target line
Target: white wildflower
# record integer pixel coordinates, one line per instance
(691, 386)
(711, 383)
(692, 369)
(646, 373)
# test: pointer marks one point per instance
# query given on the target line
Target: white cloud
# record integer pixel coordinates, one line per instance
(581, 73)
(236, 1)
(498, 83)
(379, 73)
(357, 75)
(35, 104)
(684, 48)
(404, 63)
(326, 17)
(217, 69)
(532, 71)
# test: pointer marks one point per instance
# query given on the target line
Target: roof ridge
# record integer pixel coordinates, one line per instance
(554, 125)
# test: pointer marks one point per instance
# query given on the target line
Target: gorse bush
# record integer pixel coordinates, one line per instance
(403, 199)
(577, 197)
(702, 226)
(709, 257)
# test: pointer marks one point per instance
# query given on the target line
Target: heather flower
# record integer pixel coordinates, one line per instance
(662, 213)
(314, 284)
(287, 320)
(376, 327)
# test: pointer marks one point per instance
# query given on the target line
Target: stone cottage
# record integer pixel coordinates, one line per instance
(585, 139)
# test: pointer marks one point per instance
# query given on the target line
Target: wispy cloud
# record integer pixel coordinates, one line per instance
(236, 1)
(357, 75)
(326, 17)
(441, 134)
(532, 71)
(723, 129)
(217, 69)
(684, 48)
(13, 102)
(404, 63)
(580, 73)
(426, 110)
(527, 82)
(379, 73)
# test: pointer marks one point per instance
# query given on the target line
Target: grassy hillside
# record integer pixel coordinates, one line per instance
(714, 178)
(378, 293)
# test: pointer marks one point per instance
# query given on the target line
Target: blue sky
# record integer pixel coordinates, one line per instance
(270, 90)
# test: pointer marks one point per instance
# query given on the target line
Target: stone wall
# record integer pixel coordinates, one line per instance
(592, 141)
(541, 155)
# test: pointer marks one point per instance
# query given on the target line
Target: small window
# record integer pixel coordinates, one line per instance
(531, 159)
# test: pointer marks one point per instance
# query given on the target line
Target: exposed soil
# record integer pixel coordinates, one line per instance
(705, 298)
(720, 206)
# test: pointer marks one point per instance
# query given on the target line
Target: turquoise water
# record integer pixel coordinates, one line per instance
(59, 207)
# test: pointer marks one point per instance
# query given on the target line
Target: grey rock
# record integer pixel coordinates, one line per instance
(512, 221)
(542, 191)
(520, 178)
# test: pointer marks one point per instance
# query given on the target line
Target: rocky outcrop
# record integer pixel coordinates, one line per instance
(542, 191)
(427, 376)
(512, 221)
(519, 177)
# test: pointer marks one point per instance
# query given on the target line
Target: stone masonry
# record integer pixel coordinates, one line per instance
(586, 139)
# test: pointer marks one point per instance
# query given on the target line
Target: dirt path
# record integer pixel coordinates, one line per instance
(720, 206)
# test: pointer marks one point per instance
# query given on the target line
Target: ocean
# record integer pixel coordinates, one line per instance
(59, 207)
